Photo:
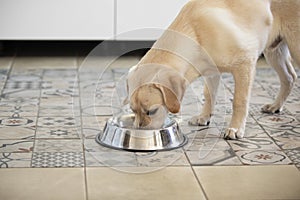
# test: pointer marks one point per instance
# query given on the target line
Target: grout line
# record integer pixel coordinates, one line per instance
(195, 175)
(80, 134)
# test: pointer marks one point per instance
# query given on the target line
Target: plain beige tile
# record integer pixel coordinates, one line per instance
(250, 182)
(56, 62)
(44, 184)
(168, 183)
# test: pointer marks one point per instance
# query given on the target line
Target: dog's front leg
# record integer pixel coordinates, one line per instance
(243, 77)
(210, 92)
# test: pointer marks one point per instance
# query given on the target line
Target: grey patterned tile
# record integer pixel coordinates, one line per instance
(51, 111)
(175, 157)
(57, 93)
(97, 155)
(288, 139)
(97, 122)
(18, 111)
(263, 157)
(294, 155)
(90, 133)
(208, 144)
(26, 102)
(62, 145)
(16, 121)
(58, 101)
(275, 121)
(246, 144)
(99, 110)
(16, 146)
(110, 159)
(57, 159)
(20, 93)
(203, 132)
(17, 133)
(213, 157)
(60, 74)
(13, 160)
(58, 133)
(59, 121)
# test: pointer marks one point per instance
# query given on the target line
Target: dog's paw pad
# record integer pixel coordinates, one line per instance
(271, 108)
(200, 121)
(233, 134)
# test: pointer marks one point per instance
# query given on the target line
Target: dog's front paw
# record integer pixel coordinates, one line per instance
(271, 108)
(201, 120)
(233, 134)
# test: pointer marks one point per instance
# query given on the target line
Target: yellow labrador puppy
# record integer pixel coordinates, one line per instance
(228, 35)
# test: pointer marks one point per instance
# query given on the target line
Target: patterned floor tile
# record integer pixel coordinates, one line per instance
(16, 121)
(162, 159)
(275, 121)
(18, 111)
(58, 101)
(60, 74)
(294, 155)
(58, 133)
(20, 93)
(96, 122)
(13, 102)
(98, 155)
(58, 121)
(16, 146)
(269, 139)
(90, 133)
(58, 146)
(213, 157)
(263, 157)
(10, 160)
(110, 159)
(50, 111)
(246, 144)
(209, 144)
(203, 132)
(57, 159)
(17, 133)
(99, 110)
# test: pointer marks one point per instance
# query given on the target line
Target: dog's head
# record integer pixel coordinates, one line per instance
(152, 101)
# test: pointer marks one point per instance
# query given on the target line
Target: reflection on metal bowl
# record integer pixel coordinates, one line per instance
(119, 133)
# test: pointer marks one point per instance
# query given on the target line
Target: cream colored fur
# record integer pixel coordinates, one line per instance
(234, 33)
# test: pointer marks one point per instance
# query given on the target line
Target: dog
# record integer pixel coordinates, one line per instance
(231, 35)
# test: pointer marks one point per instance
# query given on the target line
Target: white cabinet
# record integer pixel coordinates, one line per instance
(56, 19)
(137, 19)
(86, 19)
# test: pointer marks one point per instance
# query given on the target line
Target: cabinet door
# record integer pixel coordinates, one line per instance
(137, 18)
(56, 19)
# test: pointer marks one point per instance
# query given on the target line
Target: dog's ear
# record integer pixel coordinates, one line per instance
(172, 92)
(170, 99)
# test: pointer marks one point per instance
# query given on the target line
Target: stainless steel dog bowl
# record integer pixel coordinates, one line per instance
(119, 133)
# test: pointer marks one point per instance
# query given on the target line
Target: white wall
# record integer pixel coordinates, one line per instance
(85, 19)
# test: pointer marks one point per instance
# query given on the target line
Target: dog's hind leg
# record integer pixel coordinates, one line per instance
(210, 92)
(279, 58)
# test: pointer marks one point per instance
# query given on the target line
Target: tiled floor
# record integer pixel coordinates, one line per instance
(51, 109)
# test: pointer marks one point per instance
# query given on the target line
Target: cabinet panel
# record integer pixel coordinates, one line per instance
(141, 14)
(56, 19)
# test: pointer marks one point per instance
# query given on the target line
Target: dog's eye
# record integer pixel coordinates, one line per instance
(152, 112)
